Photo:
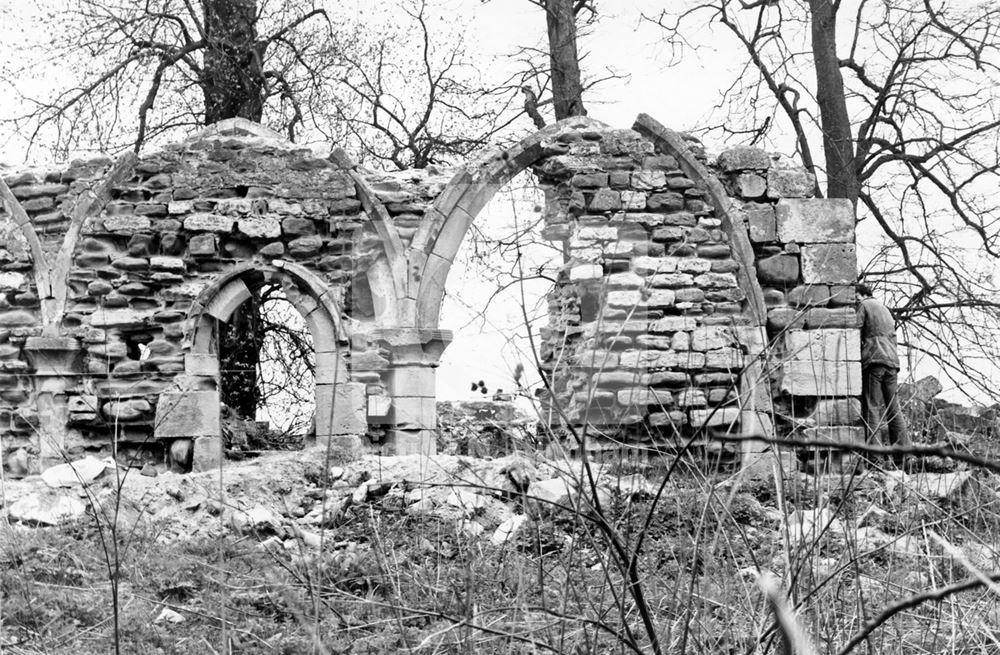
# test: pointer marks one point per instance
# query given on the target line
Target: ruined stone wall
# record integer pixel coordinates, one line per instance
(806, 264)
(698, 298)
(180, 239)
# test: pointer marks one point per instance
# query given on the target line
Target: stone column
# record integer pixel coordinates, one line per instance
(412, 380)
(56, 361)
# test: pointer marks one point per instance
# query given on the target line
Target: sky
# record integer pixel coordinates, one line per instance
(488, 345)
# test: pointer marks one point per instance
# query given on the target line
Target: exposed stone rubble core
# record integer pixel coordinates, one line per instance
(694, 300)
(690, 297)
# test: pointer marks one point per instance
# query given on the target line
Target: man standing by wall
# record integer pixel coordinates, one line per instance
(880, 368)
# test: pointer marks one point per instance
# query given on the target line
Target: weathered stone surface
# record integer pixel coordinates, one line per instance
(824, 344)
(743, 158)
(123, 317)
(605, 200)
(259, 227)
(643, 396)
(784, 318)
(202, 245)
(298, 226)
(206, 454)
(36, 190)
(835, 434)
(305, 246)
(717, 417)
(131, 263)
(340, 409)
(779, 269)
(126, 223)
(829, 263)
(809, 295)
(842, 317)
(53, 508)
(645, 265)
(841, 295)
(16, 318)
(750, 185)
(821, 378)
(816, 221)
(840, 411)
(70, 474)
(761, 221)
(586, 272)
(127, 410)
(187, 414)
(627, 280)
(205, 222)
(790, 183)
(172, 264)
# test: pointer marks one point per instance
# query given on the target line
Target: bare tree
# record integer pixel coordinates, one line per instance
(408, 94)
(902, 106)
(567, 86)
(139, 69)
(405, 96)
(559, 81)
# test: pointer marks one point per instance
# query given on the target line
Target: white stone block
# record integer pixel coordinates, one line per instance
(187, 414)
(629, 280)
(208, 223)
(645, 265)
(826, 344)
(633, 200)
(716, 417)
(821, 378)
(829, 263)
(260, 227)
(591, 234)
(817, 220)
(341, 409)
(586, 272)
(624, 299)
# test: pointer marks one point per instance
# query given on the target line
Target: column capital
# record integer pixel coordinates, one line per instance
(53, 356)
(413, 346)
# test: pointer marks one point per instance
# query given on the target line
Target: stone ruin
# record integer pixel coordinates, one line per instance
(697, 297)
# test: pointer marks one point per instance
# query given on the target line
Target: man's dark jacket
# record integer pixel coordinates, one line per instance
(878, 335)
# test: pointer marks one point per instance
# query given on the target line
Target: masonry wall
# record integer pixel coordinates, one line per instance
(181, 238)
(697, 298)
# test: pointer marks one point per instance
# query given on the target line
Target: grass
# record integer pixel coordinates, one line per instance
(607, 573)
(387, 581)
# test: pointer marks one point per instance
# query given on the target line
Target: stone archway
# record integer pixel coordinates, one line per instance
(600, 179)
(194, 411)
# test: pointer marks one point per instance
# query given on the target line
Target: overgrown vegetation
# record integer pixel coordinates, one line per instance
(378, 576)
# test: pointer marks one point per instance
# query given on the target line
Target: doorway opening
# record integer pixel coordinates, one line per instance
(268, 371)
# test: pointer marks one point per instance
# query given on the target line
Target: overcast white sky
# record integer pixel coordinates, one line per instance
(680, 97)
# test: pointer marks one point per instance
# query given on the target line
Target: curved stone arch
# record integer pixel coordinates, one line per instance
(754, 387)
(310, 296)
(386, 275)
(448, 220)
(186, 413)
(669, 142)
(306, 291)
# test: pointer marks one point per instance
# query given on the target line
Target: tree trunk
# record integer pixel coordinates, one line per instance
(233, 86)
(567, 88)
(838, 142)
(239, 353)
(233, 80)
